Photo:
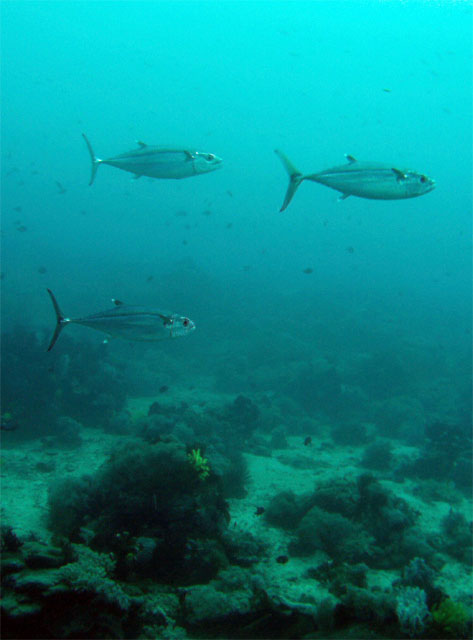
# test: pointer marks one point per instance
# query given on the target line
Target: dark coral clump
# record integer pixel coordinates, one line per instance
(286, 509)
(151, 492)
(447, 454)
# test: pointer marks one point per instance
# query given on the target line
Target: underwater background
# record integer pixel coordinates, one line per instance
(301, 465)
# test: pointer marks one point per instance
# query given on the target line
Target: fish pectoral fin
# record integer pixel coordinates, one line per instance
(141, 144)
(351, 159)
(400, 175)
(343, 196)
(167, 320)
(190, 155)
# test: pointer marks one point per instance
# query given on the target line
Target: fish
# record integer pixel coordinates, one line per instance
(60, 188)
(282, 559)
(308, 441)
(158, 162)
(372, 180)
(259, 511)
(129, 322)
(308, 270)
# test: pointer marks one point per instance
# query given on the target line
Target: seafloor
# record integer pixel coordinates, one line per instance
(196, 513)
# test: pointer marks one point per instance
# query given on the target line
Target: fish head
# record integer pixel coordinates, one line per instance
(179, 326)
(206, 162)
(417, 184)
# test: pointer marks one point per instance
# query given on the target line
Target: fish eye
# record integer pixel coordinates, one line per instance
(423, 179)
(210, 157)
(186, 322)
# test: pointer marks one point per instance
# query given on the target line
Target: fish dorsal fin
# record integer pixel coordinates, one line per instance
(400, 175)
(141, 144)
(351, 159)
(116, 302)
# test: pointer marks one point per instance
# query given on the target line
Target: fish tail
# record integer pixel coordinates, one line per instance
(61, 320)
(95, 161)
(295, 178)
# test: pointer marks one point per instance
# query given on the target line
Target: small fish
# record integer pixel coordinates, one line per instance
(308, 441)
(164, 388)
(42, 269)
(229, 193)
(18, 209)
(229, 225)
(308, 270)
(282, 559)
(22, 228)
(259, 511)
(60, 188)
(207, 212)
(350, 250)
(181, 214)
(130, 323)
(150, 279)
(387, 90)
(158, 162)
(372, 180)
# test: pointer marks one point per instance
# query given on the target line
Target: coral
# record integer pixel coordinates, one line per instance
(378, 455)
(458, 536)
(152, 493)
(412, 611)
(418, 574)
(232, 470)
(338, 536)
(9, 539)
(92, 573)
(286, 509)
(199, 463)
(451, 618)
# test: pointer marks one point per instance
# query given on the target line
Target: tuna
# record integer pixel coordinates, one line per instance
(158, 162)
(372, 180)
(128, 322)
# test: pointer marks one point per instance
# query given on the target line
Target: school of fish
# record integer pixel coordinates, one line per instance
(372, 180)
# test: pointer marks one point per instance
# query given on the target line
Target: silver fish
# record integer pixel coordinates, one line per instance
(131, 323)
(372, 180)
(158, 162)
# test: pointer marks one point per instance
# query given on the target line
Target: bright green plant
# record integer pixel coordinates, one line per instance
(200, 464)
(451, 617)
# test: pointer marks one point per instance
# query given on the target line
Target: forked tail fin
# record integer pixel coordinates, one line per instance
(60, 320)
(95, 161)
(295, 178)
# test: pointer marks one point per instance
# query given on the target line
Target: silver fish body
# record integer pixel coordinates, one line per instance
(158, 162)
(372, 180)
(128, 322)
